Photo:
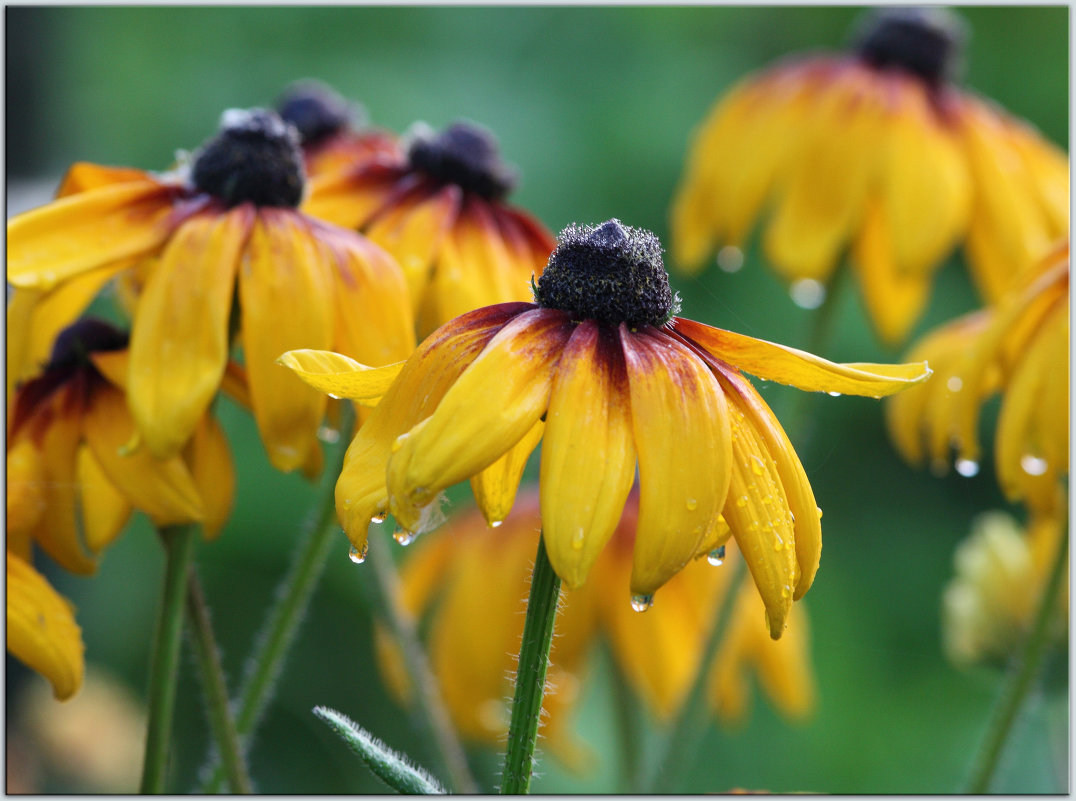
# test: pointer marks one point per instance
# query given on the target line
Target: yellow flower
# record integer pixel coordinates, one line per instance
(221, 237)
(1001, 570)
(332, 131)
(1018, 348)
(41, 628)
(476, 585)
(71, 481)
(440, 210)
(612, 378)
(879, 153)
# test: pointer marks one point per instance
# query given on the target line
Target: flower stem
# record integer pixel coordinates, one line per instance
(530, 675)
(293, 595)
(1024, 670)
(433, 714)
(681, 742)
(164, 661)
(629, 727)
(214, 687)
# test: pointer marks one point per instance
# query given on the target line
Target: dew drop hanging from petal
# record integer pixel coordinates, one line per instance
(641, 603)
(357, 556)
(967, 467)
(716, 557)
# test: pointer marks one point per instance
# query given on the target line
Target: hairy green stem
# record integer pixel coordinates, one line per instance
(530, 675)
(1024, 669)
(293, 596)
(681, 742)
(433, 715)
(164, 662)
(215, 688)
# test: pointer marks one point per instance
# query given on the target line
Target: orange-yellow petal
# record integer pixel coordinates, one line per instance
(285, 294)
(680, 423)
(348, 197)
(41, 628)
(83, 176)
(495, 487)
(339, 376)
(105, 510)
(489, 408)
(588, 459)
(87, 230)
(210, 462)
(179, 338)
(798, 368)
(26, 496)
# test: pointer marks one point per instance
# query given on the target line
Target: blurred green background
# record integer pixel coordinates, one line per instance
(595, 107)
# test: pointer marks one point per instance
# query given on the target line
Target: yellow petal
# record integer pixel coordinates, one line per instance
(349, 197)
(374, 321)
(210, 462)
(88, 230)
(681, 428)
(20, 315)
(41, 628)
(83, 176)
(588, 459)
(798, 368)
(179, 339)
(413, 229)
(286, 299)
(114, 365)
(105, 510)
(757, 511)
(489, 408)
(26, 497)
(422, 382)
(495, 487)
(163, 489)
(339, 376)
(800, 499)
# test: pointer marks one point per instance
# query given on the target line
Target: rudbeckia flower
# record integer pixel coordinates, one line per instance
(333, 133)
(474, 585)
(441, 211)
(876, 152)
(1001, 570)
(41, 628)
(1018, 348)
(601, 367)
(72, 482)
(215, 247)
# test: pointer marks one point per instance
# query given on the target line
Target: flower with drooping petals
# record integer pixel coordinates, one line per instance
(878, 153)
(441, 211)
(601, 368)
(475, 587)
(215, 249)
(1018, 348)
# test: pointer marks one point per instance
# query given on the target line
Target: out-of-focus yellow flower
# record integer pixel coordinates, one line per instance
(41, 628)
(333, 132)
(612, 378)
(441, 211)
(228, 219)
(476, 583)
(1001, 571)
(72, 482)
(1018, 348)
(879, 153)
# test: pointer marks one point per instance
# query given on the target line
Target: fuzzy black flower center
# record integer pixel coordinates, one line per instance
(254, 159)
(465, 155)
(922, 41)
(316, 111)
(611, 273)
(89, 335)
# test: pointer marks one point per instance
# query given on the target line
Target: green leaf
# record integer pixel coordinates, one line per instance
(393, 768)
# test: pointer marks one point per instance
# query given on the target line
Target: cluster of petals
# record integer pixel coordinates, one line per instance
(479, 393)
(460, 248)
(192, 261)
(845, 156)
(1018, 348)
(476, 585)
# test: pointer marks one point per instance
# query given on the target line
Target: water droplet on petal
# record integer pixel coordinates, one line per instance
(730, 259)
(347, 503)
(357, 556)
(954, 384)
(692, 504)
(379, 518)
(1033, 465)
(403, 536)
(334, 397)
(778, 545)
(819, 508)
(807, 293)
(496, 524)
(967, 467)
(578, 538)
(741, 501)
(757, 465)
(640, 603)
(328, 434)
(834, 394)
(716, 557)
